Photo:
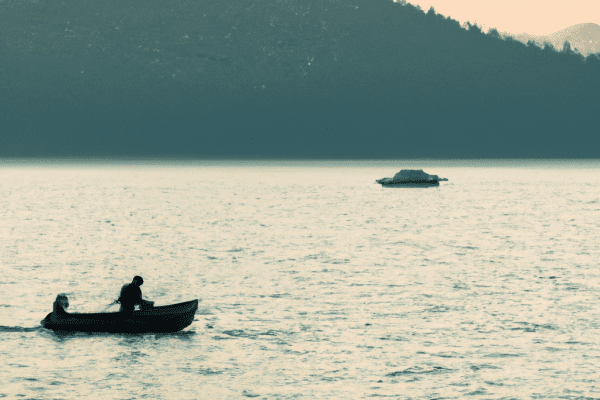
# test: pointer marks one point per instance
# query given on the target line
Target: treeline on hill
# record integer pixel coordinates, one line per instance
(282, 78)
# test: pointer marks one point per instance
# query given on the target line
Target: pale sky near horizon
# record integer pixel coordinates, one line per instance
(536, 17)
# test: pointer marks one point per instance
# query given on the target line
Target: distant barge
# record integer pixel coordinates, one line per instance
(411, 178)
(420, 182)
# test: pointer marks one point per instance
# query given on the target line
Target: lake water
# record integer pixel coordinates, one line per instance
(314, 281)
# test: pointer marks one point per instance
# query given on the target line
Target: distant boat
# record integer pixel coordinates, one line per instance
(171, 318)
(411, 178)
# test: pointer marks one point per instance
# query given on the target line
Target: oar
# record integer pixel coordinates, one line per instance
(110, 305)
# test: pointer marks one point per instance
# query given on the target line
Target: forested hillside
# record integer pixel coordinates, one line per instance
(282, 78)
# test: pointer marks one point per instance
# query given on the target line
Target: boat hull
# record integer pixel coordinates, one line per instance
(413, 183)
(171, 318)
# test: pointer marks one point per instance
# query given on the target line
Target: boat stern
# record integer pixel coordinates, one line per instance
(45, 321)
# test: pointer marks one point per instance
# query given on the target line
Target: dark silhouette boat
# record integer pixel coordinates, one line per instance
(409, 183)
(163, 319)
(411, 178)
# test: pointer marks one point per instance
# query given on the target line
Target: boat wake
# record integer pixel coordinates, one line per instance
(18, 329)
(239, 333)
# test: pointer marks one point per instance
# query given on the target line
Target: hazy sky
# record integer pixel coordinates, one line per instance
(537, 17)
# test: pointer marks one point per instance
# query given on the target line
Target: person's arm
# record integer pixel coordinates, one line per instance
(144, 304)
(121, 294)
(138, 296)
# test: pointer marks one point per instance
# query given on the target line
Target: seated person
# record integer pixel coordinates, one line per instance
(131, 294)
(58, 308)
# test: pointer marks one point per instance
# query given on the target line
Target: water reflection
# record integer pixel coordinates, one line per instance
(127, 338)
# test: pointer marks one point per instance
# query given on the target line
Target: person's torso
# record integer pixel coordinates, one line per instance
(58, 309)
(130, 293)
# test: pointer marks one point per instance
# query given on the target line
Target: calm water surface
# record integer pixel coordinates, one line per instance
(314, 281)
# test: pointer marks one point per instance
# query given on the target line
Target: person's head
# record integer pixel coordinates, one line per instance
(138, 281)
(63, 300)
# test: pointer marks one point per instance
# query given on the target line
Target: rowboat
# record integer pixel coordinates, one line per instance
(171, 318)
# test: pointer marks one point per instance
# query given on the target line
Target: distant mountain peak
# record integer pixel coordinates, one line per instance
(584, 38)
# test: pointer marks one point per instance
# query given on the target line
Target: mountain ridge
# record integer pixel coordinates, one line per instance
(273, 79)
(584, 38)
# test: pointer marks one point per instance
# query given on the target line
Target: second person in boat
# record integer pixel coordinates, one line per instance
(59, 308)
(131, 295)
